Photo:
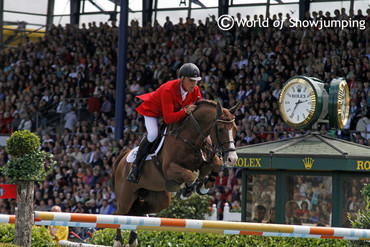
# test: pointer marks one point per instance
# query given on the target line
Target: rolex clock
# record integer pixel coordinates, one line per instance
(302, 101)
(338, 103)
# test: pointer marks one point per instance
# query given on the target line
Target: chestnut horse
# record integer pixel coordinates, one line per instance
(190, 145)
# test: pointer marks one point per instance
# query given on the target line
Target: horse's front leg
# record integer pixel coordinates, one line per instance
(182, 175)
(118, 239)
(204, 186)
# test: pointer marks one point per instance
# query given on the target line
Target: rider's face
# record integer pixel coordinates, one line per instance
(188, 84)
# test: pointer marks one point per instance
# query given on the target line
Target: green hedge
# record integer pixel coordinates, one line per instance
(193, 208)
(182, 239)
(40, 236)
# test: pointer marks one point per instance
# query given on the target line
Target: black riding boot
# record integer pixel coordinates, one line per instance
(135, 170)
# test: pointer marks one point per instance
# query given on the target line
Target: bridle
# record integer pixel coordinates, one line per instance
(220, 145)
(212, 149)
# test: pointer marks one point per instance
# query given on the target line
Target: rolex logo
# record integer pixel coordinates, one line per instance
(299, 88)
(308, 162)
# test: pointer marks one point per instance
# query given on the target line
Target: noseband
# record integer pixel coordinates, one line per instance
(221, 144)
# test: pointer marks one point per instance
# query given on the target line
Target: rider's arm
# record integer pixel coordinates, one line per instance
(168, 109)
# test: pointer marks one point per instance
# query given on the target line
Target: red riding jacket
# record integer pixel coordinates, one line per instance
(166, 101)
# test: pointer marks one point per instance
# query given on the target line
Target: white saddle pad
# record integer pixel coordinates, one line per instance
(132, 155)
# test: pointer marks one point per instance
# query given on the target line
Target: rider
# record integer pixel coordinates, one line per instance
(173, 100)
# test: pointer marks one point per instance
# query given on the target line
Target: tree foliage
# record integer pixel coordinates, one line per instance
(22, 142)
(27, 161)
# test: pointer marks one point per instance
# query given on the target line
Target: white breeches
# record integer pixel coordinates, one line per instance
(151, 124)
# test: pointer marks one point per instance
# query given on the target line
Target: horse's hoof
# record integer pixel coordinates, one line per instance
(201, 189)
(134, 244)
(182, 197)
(132, 238)
(183, 194)
(117, 244)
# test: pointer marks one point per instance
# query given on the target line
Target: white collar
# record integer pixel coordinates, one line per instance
(183, 93)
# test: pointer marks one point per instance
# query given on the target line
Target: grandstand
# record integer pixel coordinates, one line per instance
(61, 84)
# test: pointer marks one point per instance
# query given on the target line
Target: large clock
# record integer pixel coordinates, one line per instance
(338, 103)
(301, 101)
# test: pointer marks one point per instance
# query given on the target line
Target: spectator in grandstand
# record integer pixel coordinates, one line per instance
(291, 213)
(271, 215)
(259, 214)
(363, 125)
(104, 209)
(25, 124)
(70, 119)
(221, 181)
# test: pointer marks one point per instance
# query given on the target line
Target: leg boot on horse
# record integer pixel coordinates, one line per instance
(136, 167)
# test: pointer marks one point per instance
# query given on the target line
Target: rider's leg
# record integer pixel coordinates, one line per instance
(151, 124)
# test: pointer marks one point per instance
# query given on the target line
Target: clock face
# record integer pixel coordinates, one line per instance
(338, 103)
(343, 104)
(297, 103)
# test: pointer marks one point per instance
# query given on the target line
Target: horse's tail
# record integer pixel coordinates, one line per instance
(115, 165)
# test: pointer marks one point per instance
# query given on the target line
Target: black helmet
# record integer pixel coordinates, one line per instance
(190, 70)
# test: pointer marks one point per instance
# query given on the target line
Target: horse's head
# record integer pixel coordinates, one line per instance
(224, 133)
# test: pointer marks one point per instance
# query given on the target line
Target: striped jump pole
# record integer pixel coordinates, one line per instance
(65, 243)
(153, 223)
(187, 225)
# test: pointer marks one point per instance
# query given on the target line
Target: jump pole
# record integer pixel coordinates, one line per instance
(187, 225)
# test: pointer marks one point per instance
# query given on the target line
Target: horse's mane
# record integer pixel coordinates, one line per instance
(206, 102)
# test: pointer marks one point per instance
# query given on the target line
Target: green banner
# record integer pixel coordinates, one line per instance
(309, 163)
(358, 165)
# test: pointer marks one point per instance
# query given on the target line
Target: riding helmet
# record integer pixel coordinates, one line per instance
(190, 70)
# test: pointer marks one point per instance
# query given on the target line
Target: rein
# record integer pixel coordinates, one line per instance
(212, 149)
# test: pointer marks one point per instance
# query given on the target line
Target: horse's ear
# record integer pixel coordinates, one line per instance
(219, 109)
(235, 108)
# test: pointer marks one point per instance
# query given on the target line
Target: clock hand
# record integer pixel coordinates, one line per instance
(296, 104)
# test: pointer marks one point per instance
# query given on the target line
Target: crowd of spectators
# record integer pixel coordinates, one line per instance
(71, 72)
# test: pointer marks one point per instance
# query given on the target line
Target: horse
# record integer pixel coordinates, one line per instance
(189, 153)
